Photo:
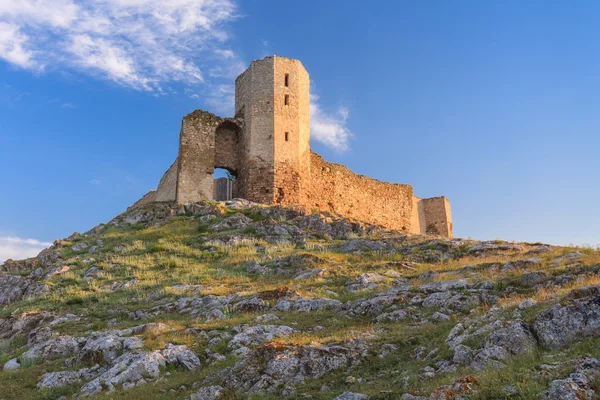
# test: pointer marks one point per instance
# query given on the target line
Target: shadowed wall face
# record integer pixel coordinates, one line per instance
(167, 187)
(254, 103)
(438, 218)
(196, 157)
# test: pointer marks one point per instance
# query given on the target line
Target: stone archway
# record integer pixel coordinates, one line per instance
(206, 142)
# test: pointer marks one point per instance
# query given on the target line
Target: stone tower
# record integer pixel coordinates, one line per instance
(272, 98)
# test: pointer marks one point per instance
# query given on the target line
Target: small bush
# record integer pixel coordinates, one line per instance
(203, 228)
(81, 300)
(170, 263)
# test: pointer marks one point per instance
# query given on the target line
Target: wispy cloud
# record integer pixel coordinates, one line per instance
(17, 248)
(329, 129)
(265, 47)
(221, 98)
(60, 103)
(145, 45)
(137, 43)
(14, 47)
(326, 128)
(96, 181)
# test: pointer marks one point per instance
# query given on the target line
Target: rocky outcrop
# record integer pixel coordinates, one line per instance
(21, 280)
(14, 288)
(575, 387)
(130, 369)
(351, 396)
(562, 324)
(258, 334)
(275, 364)
(208, 393)
(578, 385)
(503, 339)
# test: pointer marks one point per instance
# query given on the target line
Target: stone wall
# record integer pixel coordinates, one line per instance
(254, 104)
(336, 189)
(167, 187)
(417, 219)
(197, 156)
(206, 142)
(146, 199)
(166, 191)
(438, 217)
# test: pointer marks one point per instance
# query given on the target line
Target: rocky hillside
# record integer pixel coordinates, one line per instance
(241, 301)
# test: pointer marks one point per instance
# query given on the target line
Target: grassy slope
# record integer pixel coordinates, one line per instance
(176, 253)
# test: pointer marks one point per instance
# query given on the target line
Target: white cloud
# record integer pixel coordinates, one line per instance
(329, 129)
(145, 45)
(221, 98)
(225, 53)
(13, 47)
(95, 181)
(17, 248)
(137, 43)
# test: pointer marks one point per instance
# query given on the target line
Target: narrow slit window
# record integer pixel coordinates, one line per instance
(287, 136)
(286, 99)
(287, 80)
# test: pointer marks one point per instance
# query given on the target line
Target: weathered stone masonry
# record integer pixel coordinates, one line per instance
(267, 147)
(337, 189)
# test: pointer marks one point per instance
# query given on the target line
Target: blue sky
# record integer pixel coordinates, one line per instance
(492, 104)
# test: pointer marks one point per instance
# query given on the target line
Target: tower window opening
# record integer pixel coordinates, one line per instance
(287, 136)
(286, 99)
(287, 80)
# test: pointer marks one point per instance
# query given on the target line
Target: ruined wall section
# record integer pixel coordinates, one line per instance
(417, 220)
(243, 84)
(291, 131)
(438, 216)
(167, 187)
(146, 199)
(166, 191)
(336, 189)
(196, 156)
(254, 104)
(205, 141)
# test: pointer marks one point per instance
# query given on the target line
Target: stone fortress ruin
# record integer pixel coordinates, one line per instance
(266, 146)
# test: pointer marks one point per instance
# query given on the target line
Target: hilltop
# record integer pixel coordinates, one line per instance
(236, 300)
